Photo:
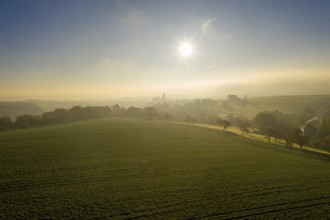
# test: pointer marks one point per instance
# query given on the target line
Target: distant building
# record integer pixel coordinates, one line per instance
(308, 127)
(159, 99)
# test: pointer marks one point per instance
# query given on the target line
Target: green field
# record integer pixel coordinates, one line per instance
(123, 168)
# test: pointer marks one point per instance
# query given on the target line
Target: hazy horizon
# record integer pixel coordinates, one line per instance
(67, 50)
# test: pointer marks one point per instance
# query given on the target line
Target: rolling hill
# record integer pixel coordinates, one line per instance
(14, 109)
(125, 168)
(291, 104)
(286, 104)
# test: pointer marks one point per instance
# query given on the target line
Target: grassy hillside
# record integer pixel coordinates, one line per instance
(287, 104)
(122, 168)
(291, 103)
(14, 109)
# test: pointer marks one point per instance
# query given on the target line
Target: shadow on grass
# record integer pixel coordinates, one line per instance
(229, 133)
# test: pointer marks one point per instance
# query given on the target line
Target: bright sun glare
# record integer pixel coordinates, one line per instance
(185, 49)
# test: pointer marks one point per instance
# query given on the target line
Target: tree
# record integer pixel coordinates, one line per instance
(191, 119)
(225, 124)
(296, 136)
(234, 99)
(243, 125)
(135, 112)
(26, 121)
(324, 129)
(5, 123)
(265, 122)
(151, 113)
(167, 117)
(117, 111)
(323, 133)
(273, 124)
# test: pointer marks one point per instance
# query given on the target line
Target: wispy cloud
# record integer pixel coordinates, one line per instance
(207, 26)
(212, 65)
(132, 19)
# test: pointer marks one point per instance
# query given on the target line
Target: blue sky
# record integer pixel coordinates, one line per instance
(106, 49)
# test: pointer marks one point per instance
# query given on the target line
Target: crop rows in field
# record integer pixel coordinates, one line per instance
(116, 168)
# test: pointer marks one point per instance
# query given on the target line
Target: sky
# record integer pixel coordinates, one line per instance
(84, 49)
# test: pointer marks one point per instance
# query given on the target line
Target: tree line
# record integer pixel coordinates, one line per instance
(79, 113)
(302, 129)
(309, 128)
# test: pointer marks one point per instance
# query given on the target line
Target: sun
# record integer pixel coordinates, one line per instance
(185, 49)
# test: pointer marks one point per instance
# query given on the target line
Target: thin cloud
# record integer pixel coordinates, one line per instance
(212, 66)
(132, 18)
(207, 26)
